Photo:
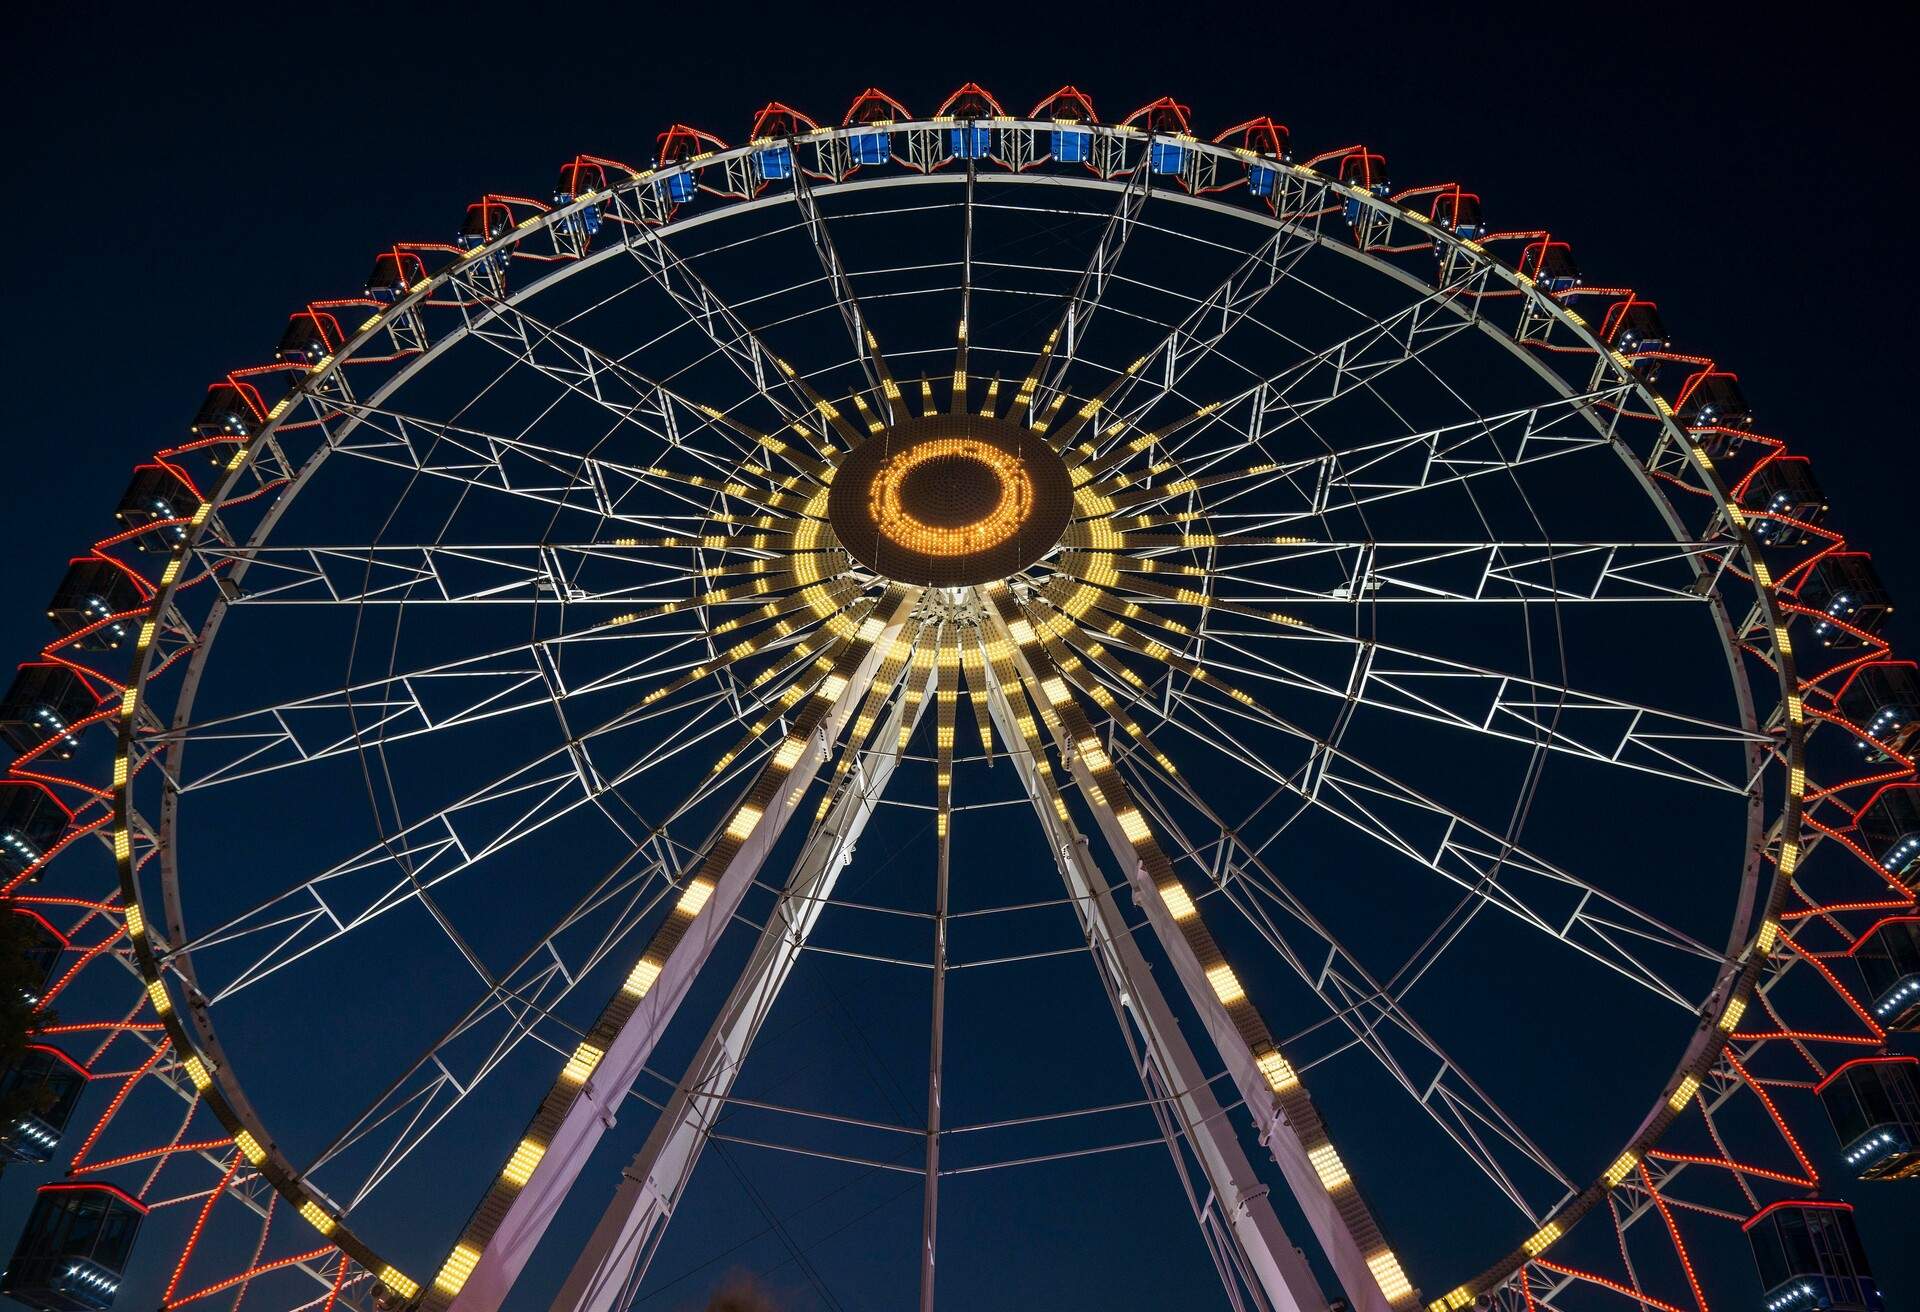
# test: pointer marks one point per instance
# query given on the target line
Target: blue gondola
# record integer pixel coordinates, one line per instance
(1067, 109)
(1167, 156)
(773, 128)
(91, 590)
(1785, 487)
(872, 116)
(74, 1249)
(1712, 399)
(969, 142)
(1367, 171)
(1260, 140)
(1883, 698)
(1889, 826)
(1888, 956)
(776, 162)
(1551, 266)
(1631, 326)
(1469, 220)
(1845, 587)
(394, 273)
(41, 706)
(1071, 145)
(1875, 1110)
(157, 497)
(229, 409)
(48, 1084)
(31, 821)
(44, 947)
(1809, 1256)
(309, 337)
(487, 221)
(580, 178)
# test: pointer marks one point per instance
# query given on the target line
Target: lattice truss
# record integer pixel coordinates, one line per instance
(542, 665)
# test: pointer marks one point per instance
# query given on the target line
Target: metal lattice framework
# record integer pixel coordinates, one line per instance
(586, 454)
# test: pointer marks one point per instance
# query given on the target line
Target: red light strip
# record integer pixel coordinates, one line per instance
(148, 1154)
(259, 1270)
(1737, 1168)
(1679, 1245)
(1774, 1112)
(120, 1096)
(1615, 1286)
(1820, 1204)
(199, 1225)
(65, 1186)
(85, 957)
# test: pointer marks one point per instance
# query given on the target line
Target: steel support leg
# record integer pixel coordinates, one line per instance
(523, 1221)
(615, 1259)
(1281, 1137)
(1277, 1267)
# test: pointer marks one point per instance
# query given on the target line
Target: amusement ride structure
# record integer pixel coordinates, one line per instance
(1436, 727)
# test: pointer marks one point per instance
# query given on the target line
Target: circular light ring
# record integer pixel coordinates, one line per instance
(901, 488)
(950, 500)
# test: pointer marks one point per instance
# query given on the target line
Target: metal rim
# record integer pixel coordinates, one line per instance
(1701, 1053)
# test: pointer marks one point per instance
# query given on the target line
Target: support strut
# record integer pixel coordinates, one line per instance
(615, 1259)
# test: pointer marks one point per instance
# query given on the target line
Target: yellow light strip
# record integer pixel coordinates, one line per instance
(645, 972)
(743, 822)
(459, 1265)
(1179, 905)
(399, 1283)
(1327, 1164)
(1276, 1070)
(1226, 986)
(520, 1166)
(1542, 1239)
(1388, 1275)
(695, 897)
(250, 1148)
(581, 1064)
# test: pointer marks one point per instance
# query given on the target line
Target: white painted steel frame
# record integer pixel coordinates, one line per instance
(206, 632)
(615, 1258)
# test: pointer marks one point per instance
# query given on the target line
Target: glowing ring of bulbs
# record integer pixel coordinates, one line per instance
(950, 500)
(894, 519)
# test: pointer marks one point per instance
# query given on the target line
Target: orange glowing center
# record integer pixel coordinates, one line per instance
(950, 496)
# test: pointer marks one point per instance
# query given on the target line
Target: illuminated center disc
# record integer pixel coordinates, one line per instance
(950, 500)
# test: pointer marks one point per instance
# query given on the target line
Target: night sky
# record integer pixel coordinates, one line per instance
(177, 184)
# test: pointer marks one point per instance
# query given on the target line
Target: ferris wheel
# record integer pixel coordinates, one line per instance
(882, 689)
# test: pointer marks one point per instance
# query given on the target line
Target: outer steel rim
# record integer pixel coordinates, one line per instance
(223, 1093)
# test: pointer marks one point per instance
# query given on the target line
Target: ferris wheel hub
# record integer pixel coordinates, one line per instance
(950, 501)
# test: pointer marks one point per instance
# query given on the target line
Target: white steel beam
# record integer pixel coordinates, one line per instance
(1280, 1135)
(1267, 1255)
(615, 1259)
(514, 1225)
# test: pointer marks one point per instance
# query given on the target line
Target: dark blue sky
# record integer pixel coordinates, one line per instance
(176, 184)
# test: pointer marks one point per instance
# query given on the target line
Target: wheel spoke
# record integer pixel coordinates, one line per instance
(866, 346)
(1491, 867)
